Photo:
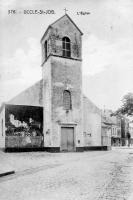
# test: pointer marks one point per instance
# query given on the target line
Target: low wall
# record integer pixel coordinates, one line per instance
(23, 142)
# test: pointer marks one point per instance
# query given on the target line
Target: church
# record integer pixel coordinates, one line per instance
(53, 114)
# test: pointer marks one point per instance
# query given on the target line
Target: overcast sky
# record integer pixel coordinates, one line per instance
(107, 46)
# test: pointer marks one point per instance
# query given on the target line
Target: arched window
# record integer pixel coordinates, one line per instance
(45, 47)
(67, 100)
(66, 47)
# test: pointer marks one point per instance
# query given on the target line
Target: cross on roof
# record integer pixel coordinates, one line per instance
(65, 10)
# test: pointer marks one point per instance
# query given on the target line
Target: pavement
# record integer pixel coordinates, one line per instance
(130, 197)
(68, 176)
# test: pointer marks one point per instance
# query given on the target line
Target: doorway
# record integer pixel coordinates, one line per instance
(67, 138)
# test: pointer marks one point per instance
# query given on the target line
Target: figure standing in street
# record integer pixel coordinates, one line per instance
(128, 138)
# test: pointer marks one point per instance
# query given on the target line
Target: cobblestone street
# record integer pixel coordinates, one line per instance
(69, 176)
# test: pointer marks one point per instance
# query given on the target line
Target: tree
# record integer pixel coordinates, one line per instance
(127, 105)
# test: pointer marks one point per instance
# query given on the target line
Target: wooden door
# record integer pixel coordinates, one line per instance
(67, 139)
(64, 139)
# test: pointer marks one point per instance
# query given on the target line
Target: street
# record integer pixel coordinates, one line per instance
(92, 175)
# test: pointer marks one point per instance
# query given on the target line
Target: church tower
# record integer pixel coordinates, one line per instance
(62, 86)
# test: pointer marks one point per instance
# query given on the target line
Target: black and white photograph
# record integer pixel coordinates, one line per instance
(66, 100)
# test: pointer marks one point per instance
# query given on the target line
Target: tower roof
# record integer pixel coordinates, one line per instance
(51, 25)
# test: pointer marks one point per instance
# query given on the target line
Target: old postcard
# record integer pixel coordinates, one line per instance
(66, 100)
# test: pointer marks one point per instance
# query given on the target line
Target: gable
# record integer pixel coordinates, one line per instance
(61, 23)
(90, 106)
(66, 20)
(64, 27)
(31, 96)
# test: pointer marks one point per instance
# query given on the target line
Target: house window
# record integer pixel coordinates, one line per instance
(67, 100)
(66, 47)
(46, 50)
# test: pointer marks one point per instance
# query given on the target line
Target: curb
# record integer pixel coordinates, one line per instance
(7, 173)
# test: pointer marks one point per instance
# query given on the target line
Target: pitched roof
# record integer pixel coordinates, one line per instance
(32, 96)
(57, 21)
(70, 20)
(91, 105)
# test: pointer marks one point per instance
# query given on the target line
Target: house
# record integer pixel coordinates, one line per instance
(106, 127)
(115, 129)
(112, 125)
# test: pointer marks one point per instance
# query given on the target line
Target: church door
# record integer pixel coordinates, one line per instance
(67, 139)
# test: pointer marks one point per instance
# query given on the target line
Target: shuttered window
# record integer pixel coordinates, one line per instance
(67, 100)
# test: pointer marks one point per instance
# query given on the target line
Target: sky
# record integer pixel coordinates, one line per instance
(107, 46)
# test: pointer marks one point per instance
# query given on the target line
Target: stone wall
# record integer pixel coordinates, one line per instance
(47, 128)
(66, 75)
(66, 28)
(46, 38)
(59, 74)
(54, 35)
(23, 142)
